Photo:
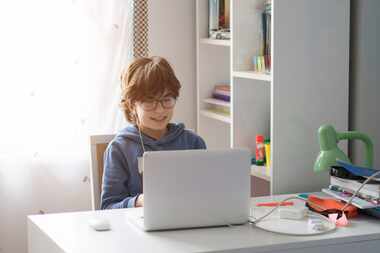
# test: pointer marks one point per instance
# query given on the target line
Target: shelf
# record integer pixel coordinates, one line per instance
(218, 116)
(260, 99)
(260, 172)
(214, 101)
(225, 43)
(252, 75)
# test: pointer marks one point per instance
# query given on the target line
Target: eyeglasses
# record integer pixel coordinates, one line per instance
(166, 103)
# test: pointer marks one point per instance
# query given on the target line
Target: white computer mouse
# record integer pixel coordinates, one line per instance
(99, 224)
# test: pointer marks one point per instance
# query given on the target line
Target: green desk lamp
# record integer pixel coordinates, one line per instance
(330, 152)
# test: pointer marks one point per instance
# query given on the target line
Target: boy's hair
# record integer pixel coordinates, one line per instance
(146, 78)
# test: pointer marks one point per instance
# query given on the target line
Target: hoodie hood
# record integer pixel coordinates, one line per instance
(132, 133)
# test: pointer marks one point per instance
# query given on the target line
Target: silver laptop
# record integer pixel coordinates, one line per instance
(194, 188)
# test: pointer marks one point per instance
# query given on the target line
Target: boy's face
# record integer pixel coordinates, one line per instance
(155, 113)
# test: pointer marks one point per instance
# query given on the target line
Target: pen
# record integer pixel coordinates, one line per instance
(286, 203)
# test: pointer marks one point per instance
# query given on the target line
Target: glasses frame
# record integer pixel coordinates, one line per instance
(156, 102)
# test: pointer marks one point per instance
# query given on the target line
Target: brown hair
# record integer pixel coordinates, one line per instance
(146, 78)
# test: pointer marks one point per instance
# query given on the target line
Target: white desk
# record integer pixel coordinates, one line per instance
(70, 233)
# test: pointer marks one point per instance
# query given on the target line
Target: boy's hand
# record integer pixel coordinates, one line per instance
(140, 201)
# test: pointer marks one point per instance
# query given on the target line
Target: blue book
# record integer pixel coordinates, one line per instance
(357, 170)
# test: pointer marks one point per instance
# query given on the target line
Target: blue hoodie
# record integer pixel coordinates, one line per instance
(121, 180)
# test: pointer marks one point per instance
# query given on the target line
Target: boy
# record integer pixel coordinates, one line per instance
(149, 93)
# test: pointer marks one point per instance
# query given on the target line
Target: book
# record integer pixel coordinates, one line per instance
(225, 87)
(358, 202)
(359, 171)
(261, 62)
(222, 92)
(219, 109)
(372, 190)
(221, 97)
(213, 21)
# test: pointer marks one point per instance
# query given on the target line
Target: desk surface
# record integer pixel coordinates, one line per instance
(72, 234)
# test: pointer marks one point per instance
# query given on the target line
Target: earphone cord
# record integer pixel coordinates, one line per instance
(141, 140)
(143, 148)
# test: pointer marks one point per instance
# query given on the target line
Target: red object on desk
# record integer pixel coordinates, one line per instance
(286, 203)
(330, 205)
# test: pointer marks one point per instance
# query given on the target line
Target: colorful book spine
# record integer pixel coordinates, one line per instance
(221, 97)
(222, 92)
(262, 62)
(225, 87)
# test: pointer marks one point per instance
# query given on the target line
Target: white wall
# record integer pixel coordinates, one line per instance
(172, 35)
(365, 75)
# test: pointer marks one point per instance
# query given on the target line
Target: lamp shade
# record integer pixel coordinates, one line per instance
(330, 152)
(328, 158)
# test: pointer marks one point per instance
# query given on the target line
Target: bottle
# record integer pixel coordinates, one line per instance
(260, 150)
(267, 155)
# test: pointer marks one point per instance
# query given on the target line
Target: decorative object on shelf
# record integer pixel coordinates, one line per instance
(219, 19)
(260, 150)
(267, 154)
(330, 152)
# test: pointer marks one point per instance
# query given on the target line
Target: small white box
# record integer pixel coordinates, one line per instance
(292, 213)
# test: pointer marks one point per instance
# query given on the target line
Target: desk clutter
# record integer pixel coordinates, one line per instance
(352, 190)
(346, 183)
(292, 218)
(359, 186)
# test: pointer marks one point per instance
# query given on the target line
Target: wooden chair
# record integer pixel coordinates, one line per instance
(98, 144)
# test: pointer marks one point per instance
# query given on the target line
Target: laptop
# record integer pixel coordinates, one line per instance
(194, 188)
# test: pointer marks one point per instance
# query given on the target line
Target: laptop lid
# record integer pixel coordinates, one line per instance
(196, 188)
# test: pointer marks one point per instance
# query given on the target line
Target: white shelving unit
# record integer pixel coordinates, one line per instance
(213, 66)
(308, 85)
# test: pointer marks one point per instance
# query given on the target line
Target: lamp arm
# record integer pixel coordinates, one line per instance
(367, 141)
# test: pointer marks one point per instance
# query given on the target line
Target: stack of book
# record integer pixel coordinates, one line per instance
(371, 190)
(344, 184)
(222, 92)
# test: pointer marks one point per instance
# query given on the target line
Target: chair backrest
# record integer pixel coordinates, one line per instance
(98, 144)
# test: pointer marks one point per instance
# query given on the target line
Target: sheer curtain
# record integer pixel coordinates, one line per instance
(59, 82)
